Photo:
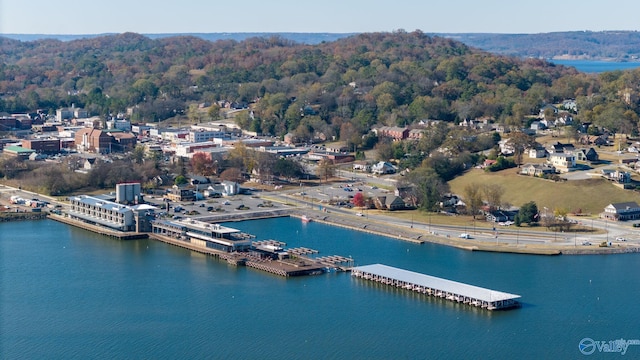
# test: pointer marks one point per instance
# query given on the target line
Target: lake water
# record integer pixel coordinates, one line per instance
(597, 66)
(67, 293)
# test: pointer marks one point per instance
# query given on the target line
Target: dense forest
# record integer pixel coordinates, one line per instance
(335, 89)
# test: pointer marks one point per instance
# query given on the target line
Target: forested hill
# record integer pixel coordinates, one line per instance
(610, 45)
(339, 88)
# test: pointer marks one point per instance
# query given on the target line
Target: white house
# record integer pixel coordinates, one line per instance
(537, 152)
(563, 162)
(383, 168)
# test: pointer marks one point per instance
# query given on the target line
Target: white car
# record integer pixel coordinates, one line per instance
(621, 239)
(359, 214)
(464, 236)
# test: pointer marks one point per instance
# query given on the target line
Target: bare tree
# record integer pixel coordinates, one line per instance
(493, 195)
(326, 169)
(473, 198)
(520, 142)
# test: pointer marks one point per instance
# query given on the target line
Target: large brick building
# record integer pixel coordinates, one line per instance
(44, 146)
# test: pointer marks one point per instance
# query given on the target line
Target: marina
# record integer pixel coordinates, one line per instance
(438, 287)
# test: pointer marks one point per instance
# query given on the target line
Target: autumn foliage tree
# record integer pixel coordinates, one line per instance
(359, 200)
(202, 164)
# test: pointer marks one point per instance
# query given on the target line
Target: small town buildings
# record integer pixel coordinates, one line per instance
(177, 193)
(71, 113)
(621, 211)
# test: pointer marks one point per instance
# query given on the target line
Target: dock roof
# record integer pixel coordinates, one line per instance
(433, 282)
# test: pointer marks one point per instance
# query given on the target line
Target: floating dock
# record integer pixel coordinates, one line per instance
(438, 287)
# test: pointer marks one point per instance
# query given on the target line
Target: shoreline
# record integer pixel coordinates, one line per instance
(420, 237)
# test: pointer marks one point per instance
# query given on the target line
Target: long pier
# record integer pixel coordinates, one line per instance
(438, 287)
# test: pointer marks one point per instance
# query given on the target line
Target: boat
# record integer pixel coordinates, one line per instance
(305, 219)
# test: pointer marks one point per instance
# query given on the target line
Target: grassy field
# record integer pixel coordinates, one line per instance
(589, 195)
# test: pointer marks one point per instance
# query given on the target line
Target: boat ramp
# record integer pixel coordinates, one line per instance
(438, 287)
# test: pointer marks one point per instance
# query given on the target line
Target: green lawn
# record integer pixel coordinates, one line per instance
(589, 195)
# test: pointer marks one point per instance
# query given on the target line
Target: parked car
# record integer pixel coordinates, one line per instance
(464, 236)
(621, 239)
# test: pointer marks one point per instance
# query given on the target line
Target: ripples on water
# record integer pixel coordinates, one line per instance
(67, 293)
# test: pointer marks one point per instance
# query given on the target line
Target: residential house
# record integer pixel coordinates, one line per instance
(586, 155)
(383, 168)
(89, 163)
(621, 177)
(537, 170)
(389, 203)
(570, 104)
(621, 211)
(564, 118)
(594, 140)
(497, 216)
(563, 162)
(548, 106)
(487, 163)
(505, 147)
(538, 126)
(363, 166)
(537, 152)
(559, 147)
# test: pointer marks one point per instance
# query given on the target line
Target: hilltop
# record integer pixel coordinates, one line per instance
(590, 45)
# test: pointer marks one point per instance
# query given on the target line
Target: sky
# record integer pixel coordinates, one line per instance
(329, 16)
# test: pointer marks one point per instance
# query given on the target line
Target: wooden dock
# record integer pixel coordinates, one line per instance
(284, 268)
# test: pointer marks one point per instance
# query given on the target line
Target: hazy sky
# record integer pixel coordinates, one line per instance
(336, 16)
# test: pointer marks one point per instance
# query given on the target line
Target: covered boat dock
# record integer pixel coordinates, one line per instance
(438, 287)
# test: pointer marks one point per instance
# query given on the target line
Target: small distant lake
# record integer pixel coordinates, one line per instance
(590, 66)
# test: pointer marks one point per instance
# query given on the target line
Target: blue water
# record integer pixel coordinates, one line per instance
(590, 66)
(66, 293)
